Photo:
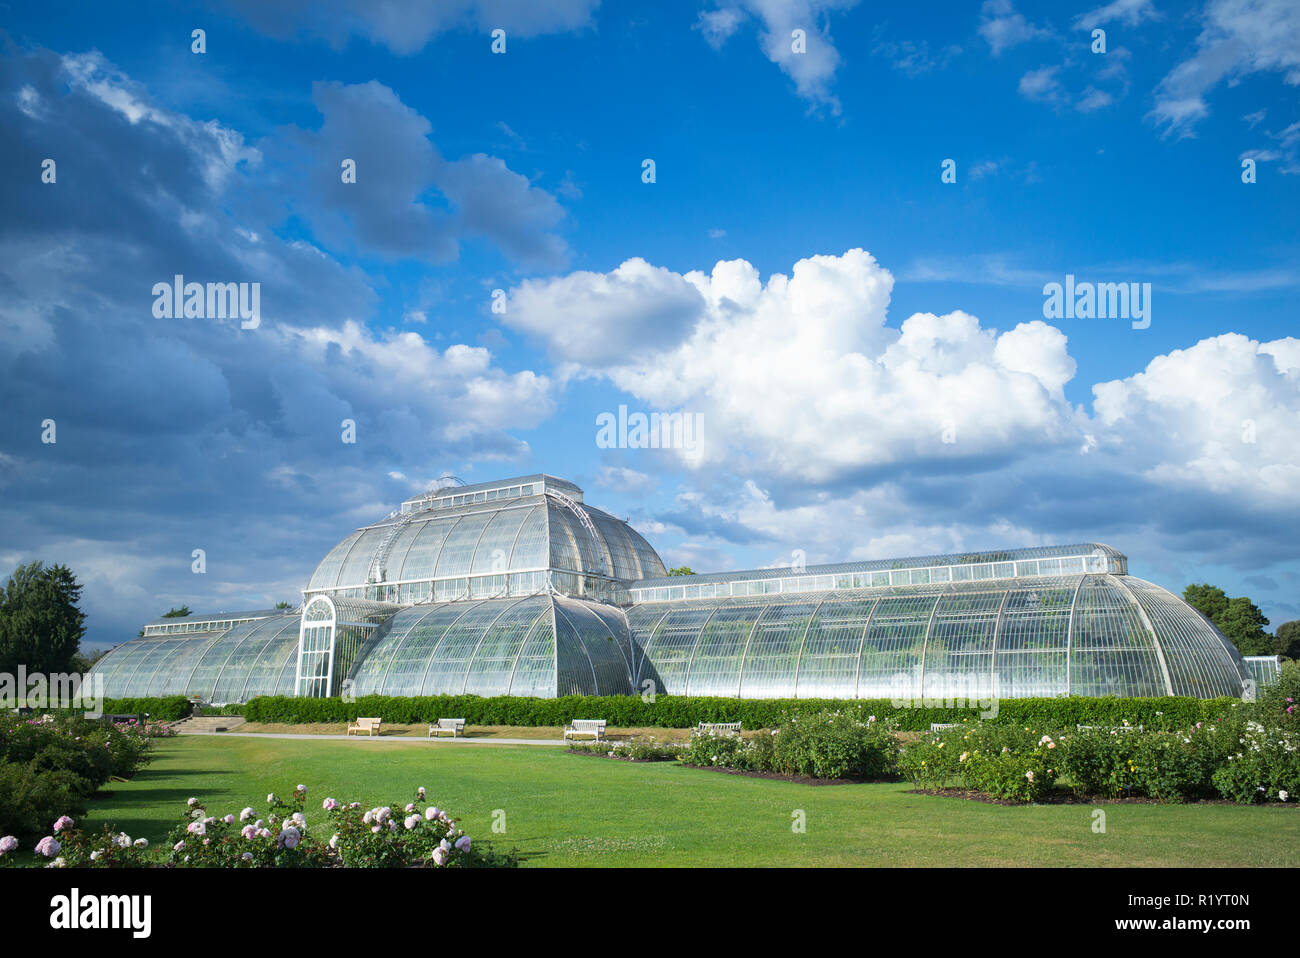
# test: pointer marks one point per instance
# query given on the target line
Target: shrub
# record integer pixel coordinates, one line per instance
(163, 709)
(29, 798)
(1168, 766)
(52, 765)
(760, 756)
(641, 750)
(710, 749)
(1176, 766)
(1100, 761)
(68, 846)
(1007, 762)
(929, 763)
(1279, 704)
(828, 745)
(358, 837)
(839, 744)
(1011, 776)
(1265, 766)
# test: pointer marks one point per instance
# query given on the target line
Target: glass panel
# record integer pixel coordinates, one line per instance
(1200, 661)
(458, 550)
(493, 660)
(891, 652)
(773, 655)
(828, 664)
(715, 667)
(1111, 652)
(959, 653)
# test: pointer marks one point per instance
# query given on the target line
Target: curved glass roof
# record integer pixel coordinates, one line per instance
(916, 570)
(1065, 635)
(542, 645)
(255, 658)
(523, 534)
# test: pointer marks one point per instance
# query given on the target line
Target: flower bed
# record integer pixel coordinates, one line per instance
(1242, 761)
(1004, 762)
(342, 835)
(636, 750)
(829, 745)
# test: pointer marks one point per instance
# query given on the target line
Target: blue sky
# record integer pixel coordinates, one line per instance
(797, 276)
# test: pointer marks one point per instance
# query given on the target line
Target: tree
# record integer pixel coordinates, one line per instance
(283, 605)
(1239, 619)
(83, 661)
(180, 613)
(41, 626)
(682, 570)
(1287, 642)
(1243, 623)
(1209, 600)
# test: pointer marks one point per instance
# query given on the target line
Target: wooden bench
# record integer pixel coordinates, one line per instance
(719, 728)
(940, 726)
(592, 727)
(368, 725)
(454, 726)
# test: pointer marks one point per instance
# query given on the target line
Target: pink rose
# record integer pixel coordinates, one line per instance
(48, 847)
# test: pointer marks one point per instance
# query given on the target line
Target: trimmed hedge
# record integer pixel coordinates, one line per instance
(679, 711)
(166, 709)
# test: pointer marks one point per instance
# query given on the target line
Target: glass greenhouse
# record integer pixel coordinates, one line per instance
(519, 588)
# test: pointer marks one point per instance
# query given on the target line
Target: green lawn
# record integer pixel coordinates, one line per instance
(567, 810)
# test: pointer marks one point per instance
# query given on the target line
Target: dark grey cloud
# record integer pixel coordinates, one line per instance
(186, 433)
(407, 201)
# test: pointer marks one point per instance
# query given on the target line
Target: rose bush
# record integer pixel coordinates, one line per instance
(640, 750)
(832, 744)
(51, 765)
(1264, 767)
(339, 835)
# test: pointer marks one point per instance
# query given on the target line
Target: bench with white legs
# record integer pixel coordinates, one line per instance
(941, 726)
(719, 728)
(593, 727)
(454, 726)
(368, 725)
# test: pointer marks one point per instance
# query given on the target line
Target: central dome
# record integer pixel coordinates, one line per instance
(512, 537)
